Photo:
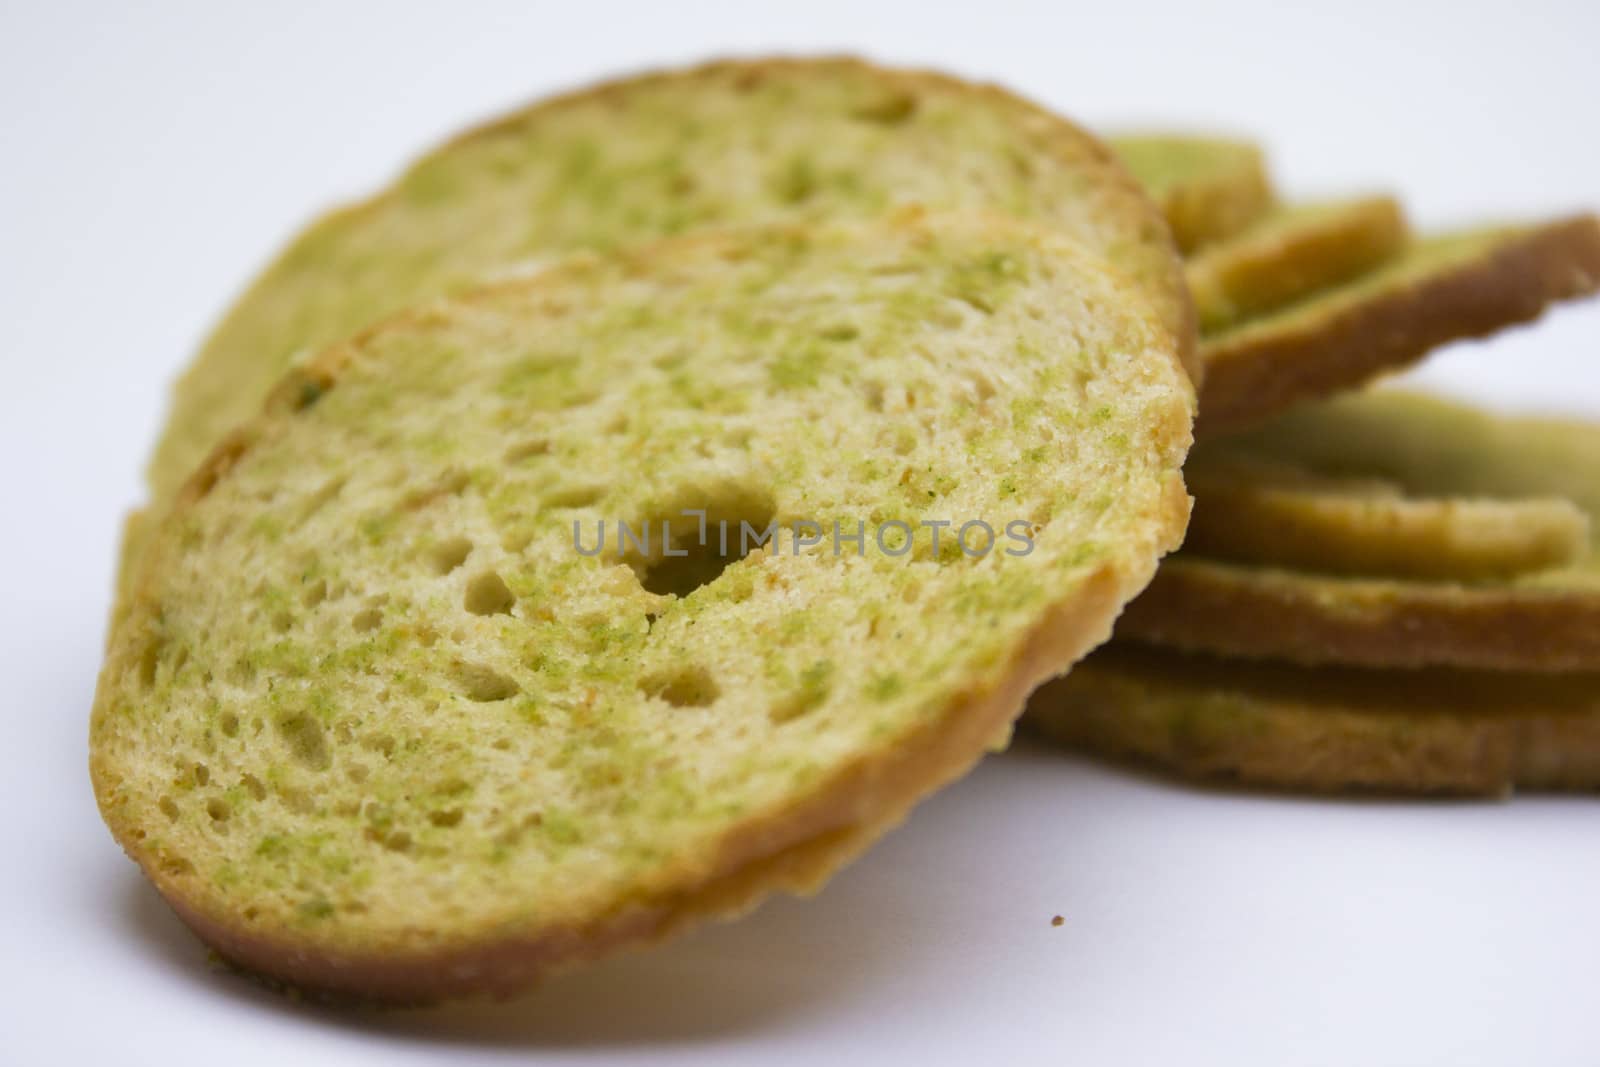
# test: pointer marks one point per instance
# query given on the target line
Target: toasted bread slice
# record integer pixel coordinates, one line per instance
(389, 714)
(1443, 289)
(1251, 510)
(1545, 621)
(1210, 188)
(1231, 609)
(1329, 729)
(1290, 254)
(655, 155)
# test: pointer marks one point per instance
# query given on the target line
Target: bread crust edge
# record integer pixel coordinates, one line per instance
(1250, 378)
(1130, 710)
(1256, 613)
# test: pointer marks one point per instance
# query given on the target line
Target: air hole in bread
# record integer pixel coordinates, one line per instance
(320, 499)
(791, 709)
(574, 496)
(815, 681)
(449, 554)
(303, 735)
(449, 484)
(517, 538)
(891, 109)
(737, 519)
(795, 181)
(253, 786)
(218, 809)
(149, 661)
(671, 360)
(296, 800)
(536, 446)
(873, 392)
(446, 818)
(687, 687)
(202, 774)
(315, 593)
(976, 301)
(222, 460)
(299, 391)
(176, 865)
(282, 621)
(316, 907)
(366, 620)
(487, 594)
(229, 724)
(484, 684)
(168, 806)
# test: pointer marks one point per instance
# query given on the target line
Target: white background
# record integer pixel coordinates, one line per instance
(151, 156)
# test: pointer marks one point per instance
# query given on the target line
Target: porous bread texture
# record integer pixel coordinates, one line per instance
(1259, 510)
(806, 140)
(1292, 253)
(1210, 188)
(1329, 729)
(1543, 621)
(1442, 289)
(374, 725)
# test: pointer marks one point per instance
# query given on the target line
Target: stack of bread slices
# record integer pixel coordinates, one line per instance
(545, 553)
(1379, 590)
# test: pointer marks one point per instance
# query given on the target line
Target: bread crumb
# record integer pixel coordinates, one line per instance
(1057, 921)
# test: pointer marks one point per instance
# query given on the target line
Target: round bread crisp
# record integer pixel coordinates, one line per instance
(1252, 510)
(1210, 188)
(387, 714)
(1329, 729)
(810, 140)
(1442, 288)
(1292, 253)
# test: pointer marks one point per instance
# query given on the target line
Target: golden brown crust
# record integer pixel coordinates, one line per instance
(1329, 730)
(1253, 373)
(1252, 612)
